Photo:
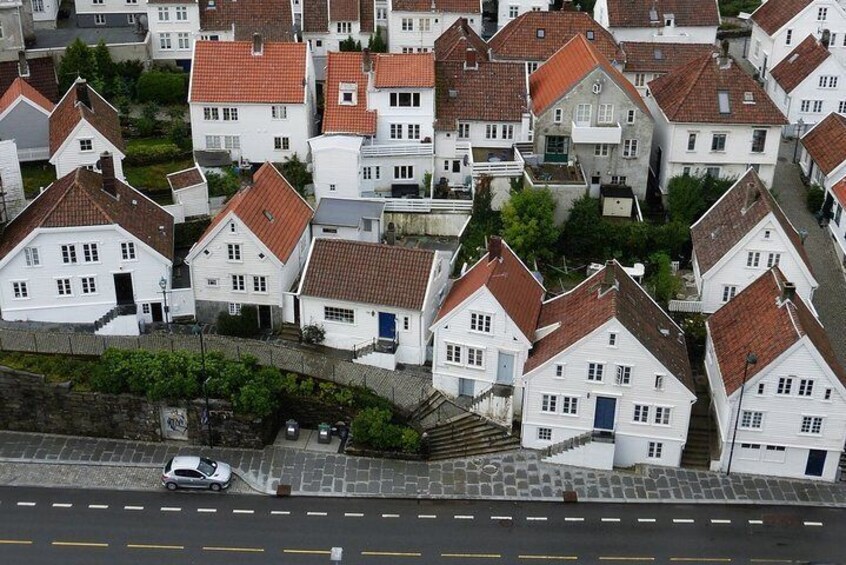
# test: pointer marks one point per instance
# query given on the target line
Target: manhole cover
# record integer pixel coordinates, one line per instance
(490, 469)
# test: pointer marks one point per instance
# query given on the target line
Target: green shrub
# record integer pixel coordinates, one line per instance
(143, 155)
(188, 233)
(258, 396)
(226, 184)
(314, 333)
(161, 87)
(244, 324)
(815, 198)
(372, 428)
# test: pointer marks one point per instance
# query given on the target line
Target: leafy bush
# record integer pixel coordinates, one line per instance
(528, 224)
(734, 7)
(258, 395)
(663, 283)
(226, 184)
(372, 428)
(815, 198)
(244, 324)
(143, 155)
(188, 233)
(162, 87)
(314, 333)
(296, 172)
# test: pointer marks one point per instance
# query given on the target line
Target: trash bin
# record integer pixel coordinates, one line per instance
(292, 430)
(324, 433)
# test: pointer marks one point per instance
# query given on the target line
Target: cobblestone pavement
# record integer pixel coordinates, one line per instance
(517, 475)
(830, 297)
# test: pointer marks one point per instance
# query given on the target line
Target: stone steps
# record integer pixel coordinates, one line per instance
(469, 435)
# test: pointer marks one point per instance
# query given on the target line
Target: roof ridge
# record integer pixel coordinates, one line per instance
(60, 199)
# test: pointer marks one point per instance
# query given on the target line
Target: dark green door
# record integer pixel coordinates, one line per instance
(557, 148)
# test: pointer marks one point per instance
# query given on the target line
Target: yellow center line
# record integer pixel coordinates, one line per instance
(619, 558)
(15, 542)
(79, 544)
(473, 555)
(391, 553)
(307, 551)
(233, 549)
(703, 559)
(549, 557)
(153, 546)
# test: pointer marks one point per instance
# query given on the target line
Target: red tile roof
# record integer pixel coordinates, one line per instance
(337, 118)
(839, 190)
(401, 70)
(343, 10)
(78, 200)
(569, 66)
(690, 94)
(70, 111)
(773, 14)
(370, 273)
(448, 6)
(518, 40)
(316, 16)
(453, 43)
(42, 76)
(661, 57)
(227, 71)
(686, 13)
(186, 178)
(593, 303)
(271, 209)
(731, 218)
(492, 92)
(826, 142)
(509, 281)
(759, 321)
(271, 18)
(800, 63)
(22, 89)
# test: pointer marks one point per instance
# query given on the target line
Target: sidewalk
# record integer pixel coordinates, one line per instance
(39, 459)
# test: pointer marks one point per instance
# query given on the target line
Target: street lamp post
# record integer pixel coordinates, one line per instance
(751, 359)
(799, 127)
(163, 286)
(198, 330)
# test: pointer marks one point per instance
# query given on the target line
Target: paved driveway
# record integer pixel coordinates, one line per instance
(830, 297)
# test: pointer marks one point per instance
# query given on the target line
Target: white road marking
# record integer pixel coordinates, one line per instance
(501, 518)
(133, 508)
(537, 518)
(646, 520)
(26, 504)
(62, 505)
(315, 513)
(572, 519)
(463, 517)
(719, 521)
(390, 515)
(756, 522)
(171, 509)
(207, 510)
(817, 524)
(427, 516)
(353, 514)
(682, 520)
(280, 512)
(98, 506)
(610, 519)
(239, 511)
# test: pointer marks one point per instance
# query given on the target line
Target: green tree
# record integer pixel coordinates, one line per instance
(296, 172)
(104, 69)
(377, 44)
(528, 221)
(349, 44)
(663, 283)
(484, 222)
(78, 61)
(685, 201)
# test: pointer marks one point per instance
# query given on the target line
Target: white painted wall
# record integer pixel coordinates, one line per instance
(424, 115)
(809, 90)
(510, 9)
(632, 438)
(349, 233)
(69, 156)
(194, 199)
(671, 33)
(110, 7)
(782, 415)
(49, 11)
(11, 180)
(122, 325)
(334, 158)
(419, 40)
(45, 305)
(158, 26)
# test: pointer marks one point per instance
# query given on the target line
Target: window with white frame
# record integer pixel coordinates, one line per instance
(33, 259)
(558, 115)
(463, 130)
(37, 6)
(788, 37)
(532, 66)
(751, 420)
(69, 254)
(629, 148)
(640, 79)
(729, 290)
(806, 387)
(549, 403)
(404, 100)
(183, 40)
(811, 425)
(775, 454)
(841, 108)
(827, 395)
(164, 14)
(480, 322)
(406, 320)
(89, 285)
(232, 142)
(63, 287)
(828, 81)
(759, 140)
(691, 141)
(413, 131)
(624, 375)
(213, 283)
(507, 131)
(281, 143)
(233, 251)
(605, 114)
(595, 371)
(347, 93)
(545, 434)
(403, 172)
(630, 116)
(601, 149)
(165, 42)
(234, 308)
(407, 24)
(86, 145)
(211, 114)
(475, 357)
(239, 283)
(822, 14)
(618, 179)
(453, 353)
(341, 315)
(718, 142)
(662, 415)
(753, 259)
(761, 389)
(344, 27)
(20, 290)
(513, 12)
(425, 24)
(99, 19)
(213, 142)
(559, 371)
(230, 114)
(259, 284)
(773, 259)
(655, 450)
(570, 405)
(785, 385)
(381, 14)
(490, 131)
(181, 13)
(641, 413)
(279, 112)
(90, 253)
(582, 116)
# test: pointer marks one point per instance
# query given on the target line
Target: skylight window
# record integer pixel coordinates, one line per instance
(723, 100)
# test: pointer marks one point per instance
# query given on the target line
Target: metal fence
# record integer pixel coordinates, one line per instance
(405, 389)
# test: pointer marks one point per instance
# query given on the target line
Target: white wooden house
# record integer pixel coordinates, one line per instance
(644, 62)
(89, 248)
(190, 191)
(677, 21)
(24, 117)
(742, 235)
(11, 181)
(775, 379)
(253, 252)
(326, 23)
(82, 126)
(608, 382)
(509, 10)
(414, 25)
(240, 103)
(484, 331)
(173, 26)
(804, 85)
(108, 13)
(375, 300)
(712, 118)
(778, 26)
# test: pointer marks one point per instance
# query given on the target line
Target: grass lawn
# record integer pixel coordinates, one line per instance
(152, 178)
(36, 174)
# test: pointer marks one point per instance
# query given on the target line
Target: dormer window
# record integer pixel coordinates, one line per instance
(669, 20)
(347, 94)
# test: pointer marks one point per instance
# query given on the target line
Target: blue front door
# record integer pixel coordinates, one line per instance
(603, 419)
(816, 463)
(387, 326)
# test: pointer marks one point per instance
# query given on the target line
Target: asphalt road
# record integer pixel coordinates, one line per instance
(50, 526)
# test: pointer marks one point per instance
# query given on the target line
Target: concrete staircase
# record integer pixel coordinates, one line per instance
(568, 444)
(455, 432)
(290, 332)
(701, 434)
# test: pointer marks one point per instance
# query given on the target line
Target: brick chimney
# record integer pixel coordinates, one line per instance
(609, 277)
(724, 59)
(471, 59)
(23, 64)
(788, 291)
(366, 61)
(258, 46)
(825, 39)
(107, 169)
(751, 196)
(494, 247)
(82, 93)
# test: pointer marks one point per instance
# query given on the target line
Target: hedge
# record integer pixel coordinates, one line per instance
(161, 87)
(143, 155)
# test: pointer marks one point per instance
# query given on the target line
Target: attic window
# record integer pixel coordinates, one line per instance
(657, 54)
(541, 33)
(589, 34)
(210, 5)
(347, 94)
(723, 100)
(268, 215)
(748, 98)
(793, 57)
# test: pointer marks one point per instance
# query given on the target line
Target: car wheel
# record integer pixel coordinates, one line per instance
(171, 486)
(215, 487)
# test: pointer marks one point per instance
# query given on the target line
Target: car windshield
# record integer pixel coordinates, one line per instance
(168, 466)
(207, 466)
